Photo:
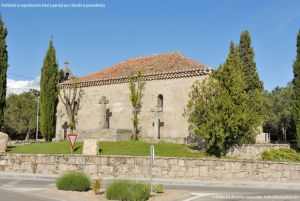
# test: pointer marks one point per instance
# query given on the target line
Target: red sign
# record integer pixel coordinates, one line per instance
(72, 139)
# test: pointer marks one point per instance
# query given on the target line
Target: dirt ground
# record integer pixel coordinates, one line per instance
(169, 195)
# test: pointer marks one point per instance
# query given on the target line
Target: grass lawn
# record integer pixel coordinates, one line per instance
(46, 148)
(133, 148)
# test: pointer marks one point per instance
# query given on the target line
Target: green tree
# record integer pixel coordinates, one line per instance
(257, 102)
(218, 108)
(279, 111)
(49, 93)
(3, 69)
(247, 54)
(136, 86)
(20, 115)
(296, 83)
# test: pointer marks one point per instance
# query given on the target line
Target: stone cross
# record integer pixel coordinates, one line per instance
(157, 123)
(65, 129)
(103, 123)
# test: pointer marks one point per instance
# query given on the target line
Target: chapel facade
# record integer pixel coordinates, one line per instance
(105, 110)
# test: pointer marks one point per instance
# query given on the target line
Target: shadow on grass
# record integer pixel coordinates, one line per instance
(9, 148)
(77, 148)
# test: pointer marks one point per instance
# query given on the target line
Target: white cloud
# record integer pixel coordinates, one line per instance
(19, 86)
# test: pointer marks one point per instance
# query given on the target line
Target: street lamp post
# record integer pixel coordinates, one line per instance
(37, 119)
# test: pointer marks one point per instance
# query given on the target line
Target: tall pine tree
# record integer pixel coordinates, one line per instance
(49, 93)
(3, 69)
(249, 66)
(218, 107)
(241, 122)
(257, 100)
(296, 83)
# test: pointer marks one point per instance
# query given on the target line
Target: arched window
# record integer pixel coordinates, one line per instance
(160, 102)
(67, 76)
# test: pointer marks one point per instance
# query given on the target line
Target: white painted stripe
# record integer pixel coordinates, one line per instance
(34, 194)
(27, 189)
(7, 186)
(198, 195)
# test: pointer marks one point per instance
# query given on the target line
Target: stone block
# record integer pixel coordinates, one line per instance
(63, 167)
(199, 163)
(161, 163)
(172, 162)
(104, 161)
(90, 169)
(80, 160)
(156, 171)
(3, 162)
(266, 175)
(180, 174)
(204, 171)
(33, 158)
(45, 159)
(164, 172)
(3, 142)
(189, 172)
(111, 161)
(72, 160)
(227, 165)
(105, 170)
(181, 163)
(175, 168)
(190, 163)
(90, 147)
(286, 174)
(89, 159)
(63, 159)
(139, 161)
(130, 161)
(242, 175)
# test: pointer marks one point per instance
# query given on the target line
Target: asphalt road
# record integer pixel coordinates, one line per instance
(24, 190)
(209, 193)
(32, 190)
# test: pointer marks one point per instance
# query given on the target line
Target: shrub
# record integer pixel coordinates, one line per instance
(96, 186)
(159, 188)
(73, 181)
(282, 154)
(127, 190)
(117, 189)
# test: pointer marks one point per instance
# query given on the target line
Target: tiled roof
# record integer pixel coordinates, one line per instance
(156, 64)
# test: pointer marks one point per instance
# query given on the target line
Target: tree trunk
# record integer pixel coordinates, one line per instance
(135, 125)
(71, 123)
(283, 130)
(134, 133)
(27, 136)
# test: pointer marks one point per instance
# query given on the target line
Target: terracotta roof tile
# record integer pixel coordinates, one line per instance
(166, 62)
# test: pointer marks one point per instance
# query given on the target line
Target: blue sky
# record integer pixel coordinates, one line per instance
(94, 38)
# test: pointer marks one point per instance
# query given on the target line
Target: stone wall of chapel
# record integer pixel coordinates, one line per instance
(175, 97)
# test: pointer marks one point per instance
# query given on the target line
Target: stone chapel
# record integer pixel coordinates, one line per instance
(105, 110)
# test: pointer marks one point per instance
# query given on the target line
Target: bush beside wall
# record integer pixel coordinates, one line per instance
(282, 154)
(127, 190)
(73, 181)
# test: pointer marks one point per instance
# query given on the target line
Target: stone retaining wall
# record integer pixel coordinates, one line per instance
(22, 142)
(253, 151)
(138, 167)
